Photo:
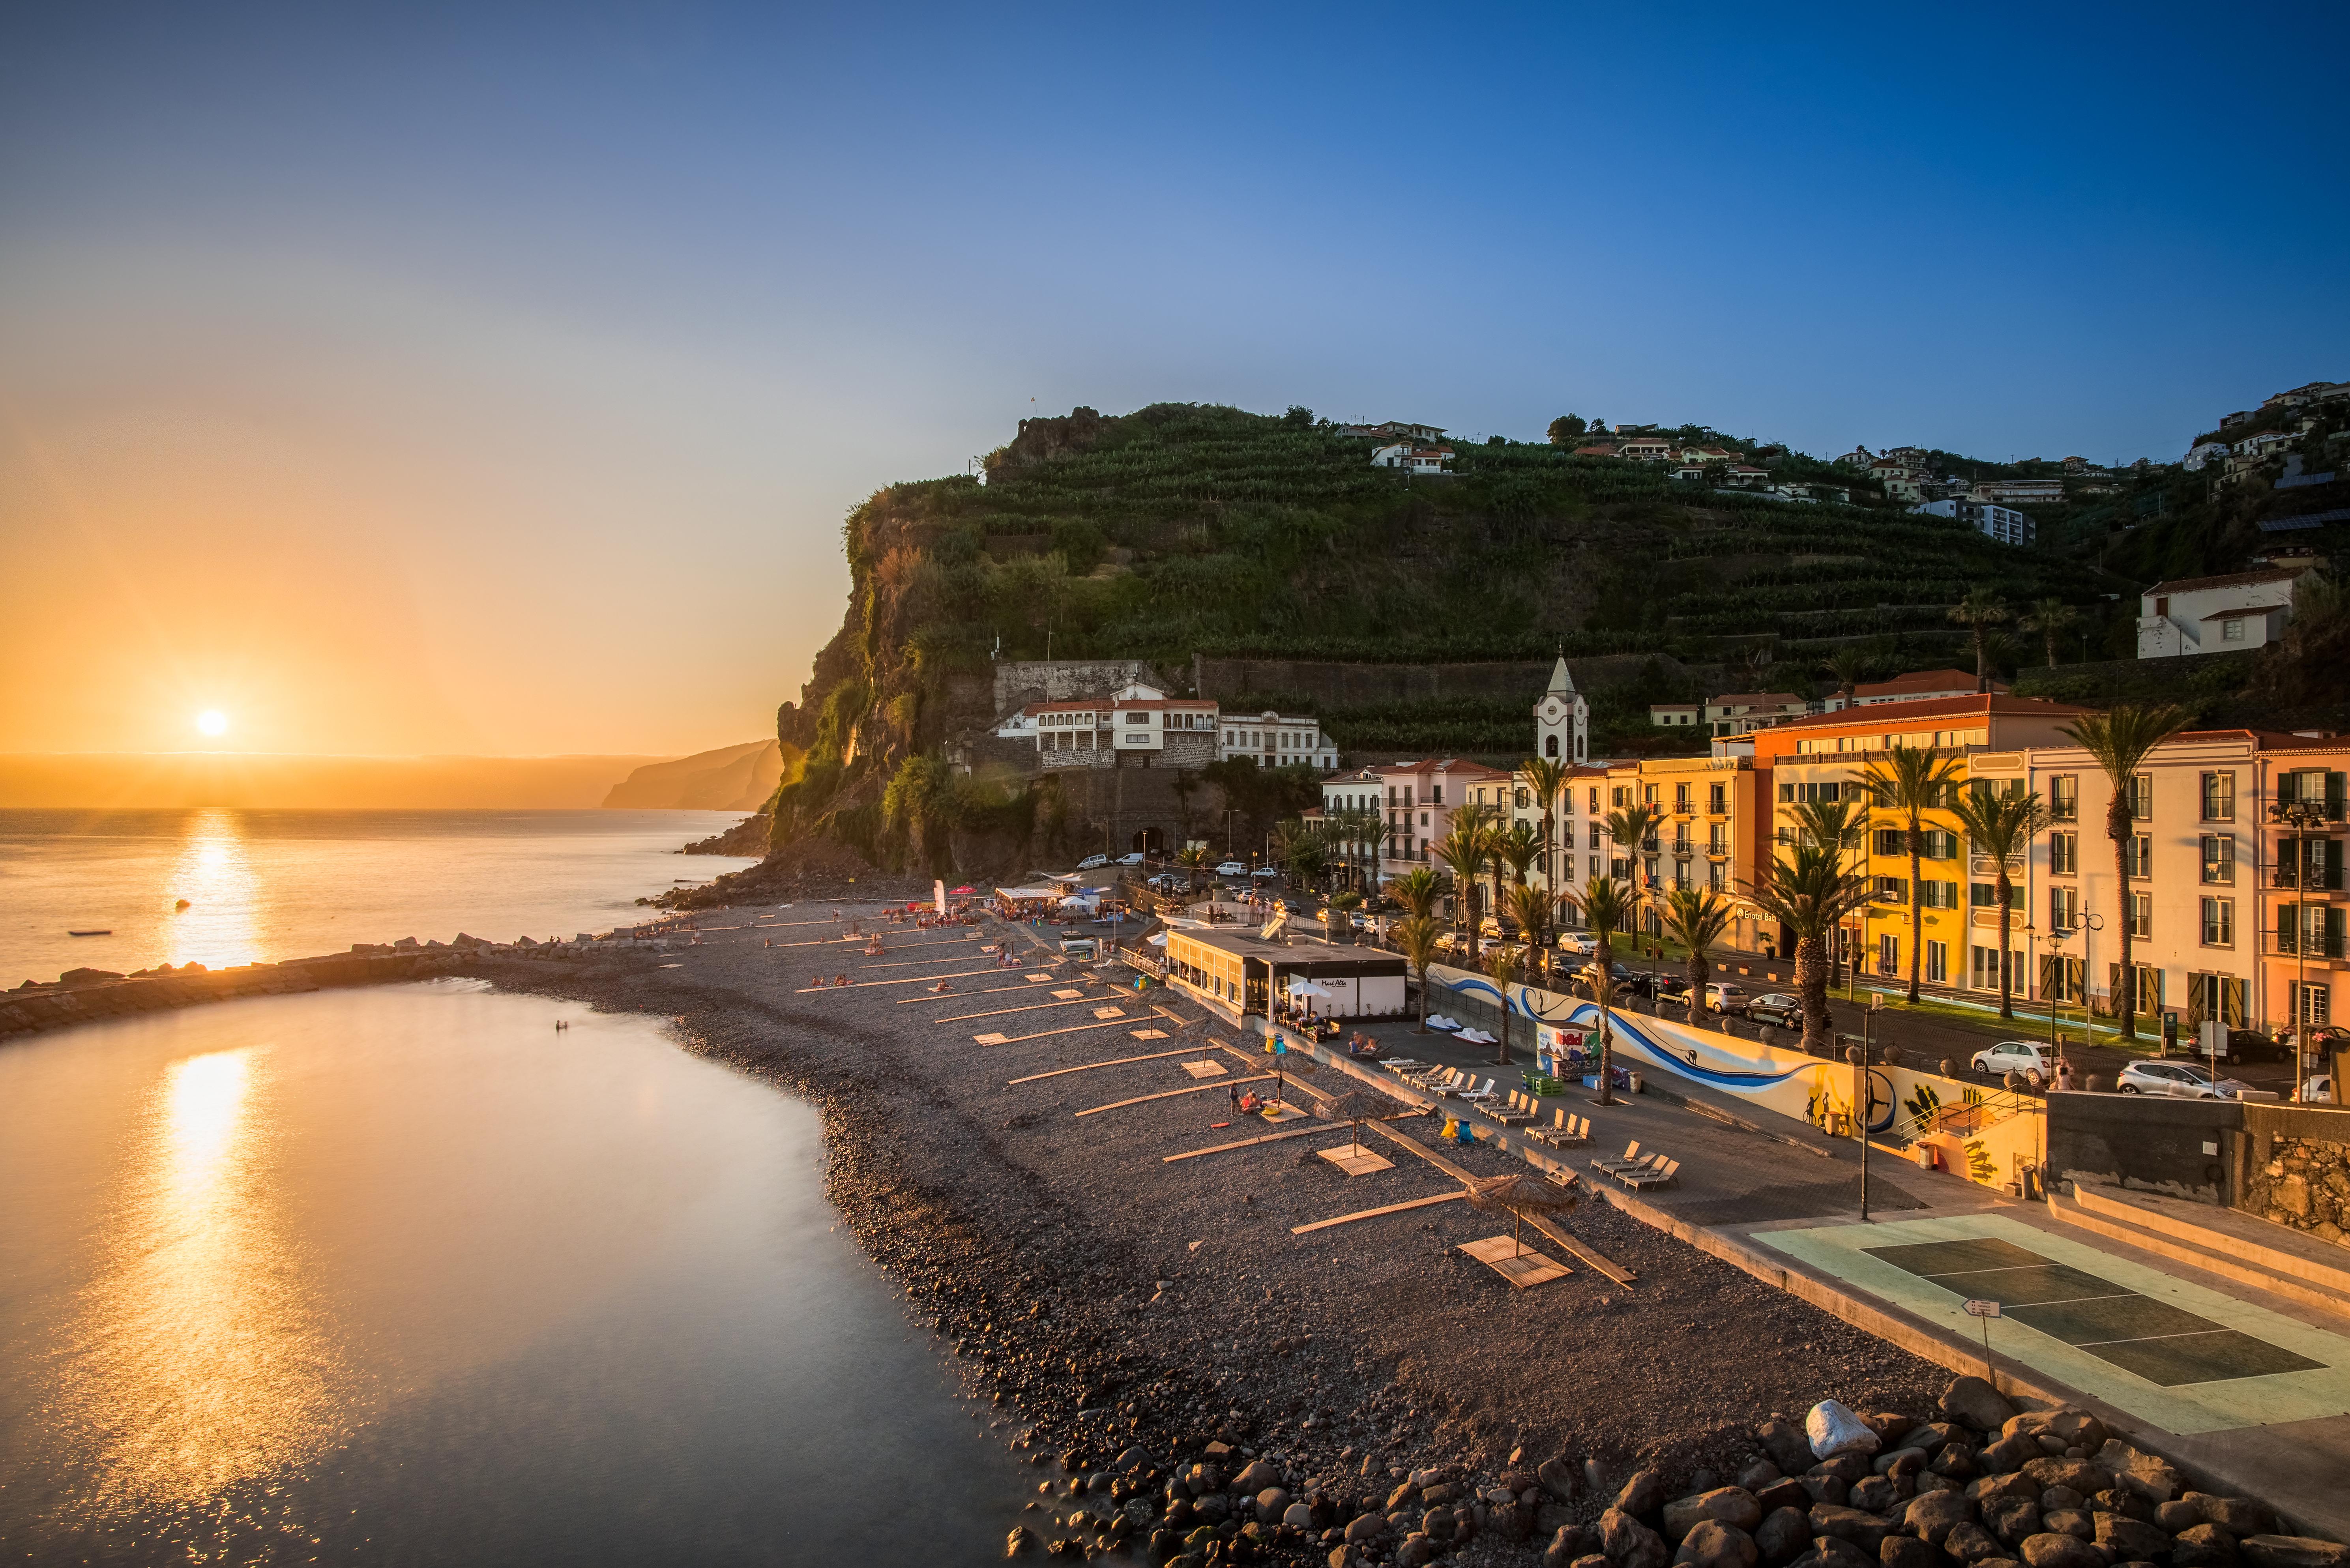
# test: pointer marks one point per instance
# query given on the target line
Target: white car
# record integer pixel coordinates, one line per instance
(1582, 943)
(2175, 1079)
(1725, 999)
(2027, 1057)
(2318, 1091)
(1133, 859)
(1093, 862)
(1232, 868)
(1266, 873)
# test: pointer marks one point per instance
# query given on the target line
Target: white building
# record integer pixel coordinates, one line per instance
(2020, 491)
(2203, 452)
(1737, 712)
(1919, 686)
(1275, 741)
(1414, 458)
(1563, 718)
(1136, 726)
(2216, 615)
(1673, 715)
(2003, 523)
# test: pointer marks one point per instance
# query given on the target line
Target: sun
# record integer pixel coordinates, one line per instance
(212, 722)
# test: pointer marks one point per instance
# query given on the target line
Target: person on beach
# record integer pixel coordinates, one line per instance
(841, 979)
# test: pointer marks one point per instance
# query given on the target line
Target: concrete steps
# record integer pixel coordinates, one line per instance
(2218, 1241)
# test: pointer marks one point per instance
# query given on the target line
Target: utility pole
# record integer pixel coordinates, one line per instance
(2301, 817)
(1857, 1052)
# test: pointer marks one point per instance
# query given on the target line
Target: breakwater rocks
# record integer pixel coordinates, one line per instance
(90, 995)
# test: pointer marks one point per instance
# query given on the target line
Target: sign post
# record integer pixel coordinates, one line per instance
(1983, 1312)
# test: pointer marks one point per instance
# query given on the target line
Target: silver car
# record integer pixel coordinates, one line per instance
(2177, 1079)
(2028, 1057)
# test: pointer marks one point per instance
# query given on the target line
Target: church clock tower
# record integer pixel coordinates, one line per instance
(1563, 720)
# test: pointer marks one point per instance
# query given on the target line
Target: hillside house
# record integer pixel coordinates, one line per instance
(1858, 457)
(2003, 524)
(1738, 713)
(1274, 740)
(1137, 726)
(1412, 459)
(1602, 449)
(2216, 615)
(1745, 476)
(1646, 449)
(1674, 715)
(2204, 452)
(2020, 492)
(1399, 430)
(1918, 686)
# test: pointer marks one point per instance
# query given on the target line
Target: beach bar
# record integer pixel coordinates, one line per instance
(1237, 973)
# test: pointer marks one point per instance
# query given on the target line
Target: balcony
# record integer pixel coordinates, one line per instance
(2317, 945)
(2307, 878)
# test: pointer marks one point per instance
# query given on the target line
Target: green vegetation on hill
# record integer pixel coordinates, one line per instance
(1179, 529)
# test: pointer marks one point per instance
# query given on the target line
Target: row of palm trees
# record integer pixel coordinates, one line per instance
(1810, 890)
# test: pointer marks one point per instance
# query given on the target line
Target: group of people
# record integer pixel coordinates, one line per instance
(836, 980)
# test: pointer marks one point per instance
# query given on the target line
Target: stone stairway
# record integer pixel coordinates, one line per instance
(2220, 1242)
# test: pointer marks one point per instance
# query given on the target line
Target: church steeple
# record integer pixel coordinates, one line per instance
(1563, 718)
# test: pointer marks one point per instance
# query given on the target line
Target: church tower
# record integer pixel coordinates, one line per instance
(1563, 720)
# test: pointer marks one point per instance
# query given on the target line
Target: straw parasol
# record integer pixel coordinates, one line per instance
(1520, 1193)
(1355, 1105)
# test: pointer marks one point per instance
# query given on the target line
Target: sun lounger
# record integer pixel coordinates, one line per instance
(1641, 1180)
(1481, 1095)
(1630, 1156)
(1516, 1109)
(1565, 1132)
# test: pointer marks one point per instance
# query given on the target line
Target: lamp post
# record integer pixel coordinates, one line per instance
(1857, 1052)
(2300, 816)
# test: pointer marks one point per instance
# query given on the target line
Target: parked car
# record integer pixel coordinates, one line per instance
(2030, 1057)
(1232, 868)
(2250, 1044)
(1267, 874)
(1582, 943)
(1134, 859)
(1093, 862)
(2318, 1091)
(1724, 998)
(1169, 882)
(2180, 1080)
(1629, 981)
(1674, 988)
(1777, 1007)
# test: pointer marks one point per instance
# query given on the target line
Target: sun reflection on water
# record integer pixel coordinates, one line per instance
(198, 1362)
(215, 874)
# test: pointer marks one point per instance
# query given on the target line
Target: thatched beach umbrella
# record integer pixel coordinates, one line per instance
(1355, 1105)
(1520, 1193)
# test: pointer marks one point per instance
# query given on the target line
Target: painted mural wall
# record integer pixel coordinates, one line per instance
(1985, 1136)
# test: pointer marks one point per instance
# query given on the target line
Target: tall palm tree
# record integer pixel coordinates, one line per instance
(1194, 860)
(1809, 889)
(1834, 825)
(1999, 826)
(1547, 776)
(2118, 742)
(1462, 852)
(1501, 965)
(2051, 619)
(1912, 781)
(1606, 903)
(1980, 611)
(1416, 890)
(1697, 920)
(1630, 827)
(1416, 940)
(1530, 908)
(1372, 834)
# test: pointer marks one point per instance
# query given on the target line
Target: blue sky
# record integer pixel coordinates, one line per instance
(606, 313)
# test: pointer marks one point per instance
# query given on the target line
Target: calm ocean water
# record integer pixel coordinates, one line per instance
(270, 885)
(404, 1275)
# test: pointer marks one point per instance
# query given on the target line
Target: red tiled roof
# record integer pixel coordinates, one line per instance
(2232, 580)
(1754, 700)
(1920, 680)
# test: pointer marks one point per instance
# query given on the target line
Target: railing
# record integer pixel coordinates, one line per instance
(2304, 944)
(1977, 1110)
(2325, 878)
(1988, 866)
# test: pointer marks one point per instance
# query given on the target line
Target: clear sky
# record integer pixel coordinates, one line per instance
(493, 378)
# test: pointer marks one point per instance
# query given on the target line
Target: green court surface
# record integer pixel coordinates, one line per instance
(2185, 1358)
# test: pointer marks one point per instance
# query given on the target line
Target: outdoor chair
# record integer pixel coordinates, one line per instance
(1661, 1176)
(1631, 1158)
(1481, 1095)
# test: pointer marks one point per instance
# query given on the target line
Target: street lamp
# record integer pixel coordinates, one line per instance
(2301, 817)
(1858, 1051)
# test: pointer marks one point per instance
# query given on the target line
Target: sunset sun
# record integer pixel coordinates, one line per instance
(212, 722)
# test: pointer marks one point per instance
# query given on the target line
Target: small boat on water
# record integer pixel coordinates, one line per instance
(106, 931)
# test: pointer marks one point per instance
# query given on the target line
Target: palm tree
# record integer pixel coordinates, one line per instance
(2051, 619)
(1629, 826)
(1999, 826)
(1519, 846)
(1606, 903)
(1912, 781)
(1697, 920)
(2118, 742)
(1462, 852)
(1501, 964)
(1371, 836)
(1848, 664)
(1416, 890)
(1416, 940)
(1810, 890)
(1978, 612)
(1530, 908)
(1193, 859)
(1547, 776)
